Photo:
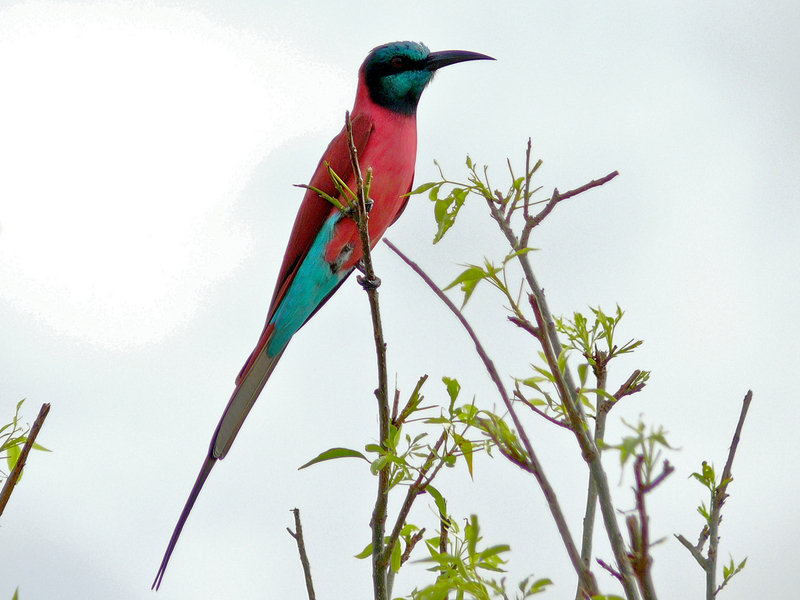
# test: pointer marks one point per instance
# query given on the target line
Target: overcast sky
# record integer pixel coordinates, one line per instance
(147, 157)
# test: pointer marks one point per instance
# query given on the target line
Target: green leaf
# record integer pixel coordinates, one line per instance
(467, 413)
(14, 453)
(397, 556)
(466, 449)
(468, 279)
(583, 372)
(394, 436)
(378, 464)
(441, 503)
(424, 188)
(446, 209)
(334, 453)
(453, 389)
(366, 552)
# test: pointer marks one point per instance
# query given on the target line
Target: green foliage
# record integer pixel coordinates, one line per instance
(495, 275)
(585, 338)
(729, 570)
(347, 199)
(332, 454)
(13, 438)
(412, 459)
(647, 444)
(445, 209)
(463, 564)
(708, 478)
(465, 567)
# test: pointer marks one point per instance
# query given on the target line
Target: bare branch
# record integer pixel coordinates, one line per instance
(696, 552)
(301, 547)
(711, 530)
(526, 325)
(531, 222)
(639, 528)
(610, 569)
(16, 472)
(590, 453)
(540, 412)
(718, 499)
(628, 388)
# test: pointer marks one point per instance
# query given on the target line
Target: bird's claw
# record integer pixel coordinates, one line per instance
(351, 211)
(369, 284)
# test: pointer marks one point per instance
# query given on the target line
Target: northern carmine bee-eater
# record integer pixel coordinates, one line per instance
(324, 246)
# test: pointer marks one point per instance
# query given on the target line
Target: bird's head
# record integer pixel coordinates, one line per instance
(395, 74)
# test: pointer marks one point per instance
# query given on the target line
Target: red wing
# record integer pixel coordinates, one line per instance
(405, 202)
(315, 210)
(310, 218)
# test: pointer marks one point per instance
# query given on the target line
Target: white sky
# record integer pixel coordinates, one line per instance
(147, 157)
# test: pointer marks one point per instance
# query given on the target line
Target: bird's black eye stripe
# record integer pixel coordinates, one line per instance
(398, 62)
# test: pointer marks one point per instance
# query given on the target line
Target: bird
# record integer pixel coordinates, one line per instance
(324, 246)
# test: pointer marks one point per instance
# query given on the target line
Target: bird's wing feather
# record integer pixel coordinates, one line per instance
(315, 210)
(312, 215)
(405, 201)
(259, 366)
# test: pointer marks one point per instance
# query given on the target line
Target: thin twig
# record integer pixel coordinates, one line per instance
(696, 552)
(584, 574)
(301, 547)
(16, 472)
(380, 559)
(414, 490)
(526, 325)
(590, 454)
(540, 412)
(398, 420)
(591, 492)
(412, 543)
(718, 499)
(610, 569)
(639, 529)
(558, 197)
(711, 530)
(626, 389)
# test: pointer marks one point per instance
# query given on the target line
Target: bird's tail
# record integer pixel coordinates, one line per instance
(249, 384)
(198, 485)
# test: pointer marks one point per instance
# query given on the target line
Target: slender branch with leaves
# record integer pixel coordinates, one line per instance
(409, 454)
(713, 515)
(15, 445)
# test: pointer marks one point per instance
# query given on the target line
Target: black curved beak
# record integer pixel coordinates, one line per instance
(437, 60)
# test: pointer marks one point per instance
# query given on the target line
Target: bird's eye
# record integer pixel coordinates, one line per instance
(398, 62)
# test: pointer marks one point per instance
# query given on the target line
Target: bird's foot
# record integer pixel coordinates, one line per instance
(369, 284)
(351, 212)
